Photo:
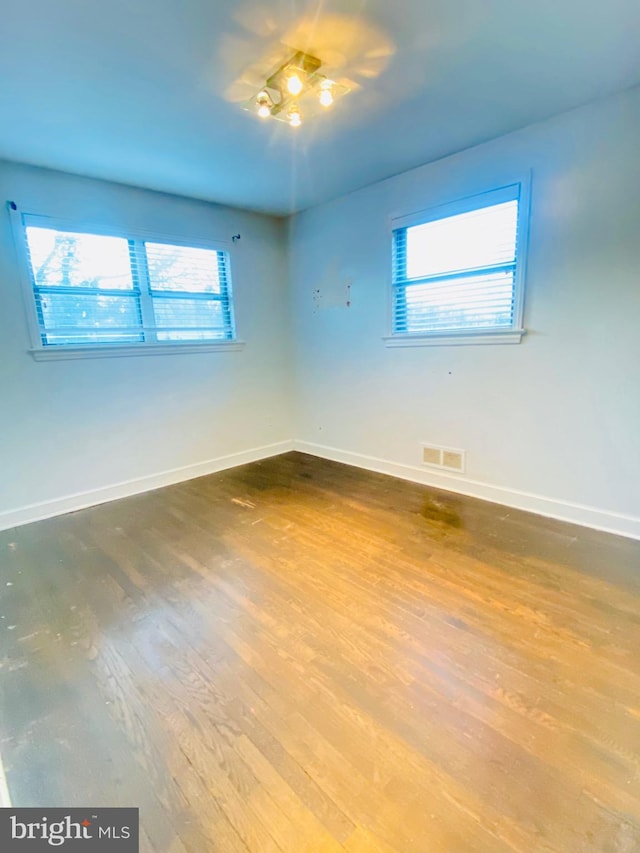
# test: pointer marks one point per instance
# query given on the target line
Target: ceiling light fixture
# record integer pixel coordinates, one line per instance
(298, 79)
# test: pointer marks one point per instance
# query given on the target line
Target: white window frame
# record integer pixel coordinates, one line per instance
(41, 352)
(499, 335)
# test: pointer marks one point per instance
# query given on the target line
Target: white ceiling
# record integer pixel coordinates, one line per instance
(145, 91)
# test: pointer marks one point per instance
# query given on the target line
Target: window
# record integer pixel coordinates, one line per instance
(458, 271)
(94, 290)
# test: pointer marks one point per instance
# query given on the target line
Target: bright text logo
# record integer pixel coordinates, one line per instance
(104, 830)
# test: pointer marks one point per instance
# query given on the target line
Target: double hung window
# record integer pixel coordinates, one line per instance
(92, 289)
(458, 269)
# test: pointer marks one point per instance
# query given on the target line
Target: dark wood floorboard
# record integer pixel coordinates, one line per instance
(296, 655)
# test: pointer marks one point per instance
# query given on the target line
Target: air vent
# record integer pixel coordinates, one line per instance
(447, 458)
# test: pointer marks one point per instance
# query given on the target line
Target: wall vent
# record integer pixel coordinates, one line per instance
(447, 458)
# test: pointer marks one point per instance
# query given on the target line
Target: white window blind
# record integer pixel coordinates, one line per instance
(95, 289)
(190, 292)
(457, 272)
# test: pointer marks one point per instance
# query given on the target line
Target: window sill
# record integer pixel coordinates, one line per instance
(512, 336)
(60, 353)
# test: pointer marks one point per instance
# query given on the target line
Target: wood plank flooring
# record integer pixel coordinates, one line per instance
(296, 655)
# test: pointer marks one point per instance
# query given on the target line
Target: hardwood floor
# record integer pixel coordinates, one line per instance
(299, 656)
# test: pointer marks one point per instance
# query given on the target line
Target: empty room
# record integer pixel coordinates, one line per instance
(320, 434)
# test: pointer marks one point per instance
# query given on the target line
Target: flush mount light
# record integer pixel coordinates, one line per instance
(295, 89)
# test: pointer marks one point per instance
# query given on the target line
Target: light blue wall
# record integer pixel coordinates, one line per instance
(557, 416)
(77, 426)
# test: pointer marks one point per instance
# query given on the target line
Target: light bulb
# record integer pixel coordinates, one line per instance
(295, 119)
(264, 104)
(326, 97)
(294, 84)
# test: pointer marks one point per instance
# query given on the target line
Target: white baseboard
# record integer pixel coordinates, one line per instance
(610, 522)
(81, 500)
(587, 516)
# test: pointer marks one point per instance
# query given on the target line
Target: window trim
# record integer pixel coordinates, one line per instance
(460, 337)
(64, 353)
(59, 352)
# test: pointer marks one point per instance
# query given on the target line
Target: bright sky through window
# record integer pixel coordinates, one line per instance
(67, 259)
(470, 240)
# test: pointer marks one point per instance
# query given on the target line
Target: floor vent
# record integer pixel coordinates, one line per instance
(443, 457)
